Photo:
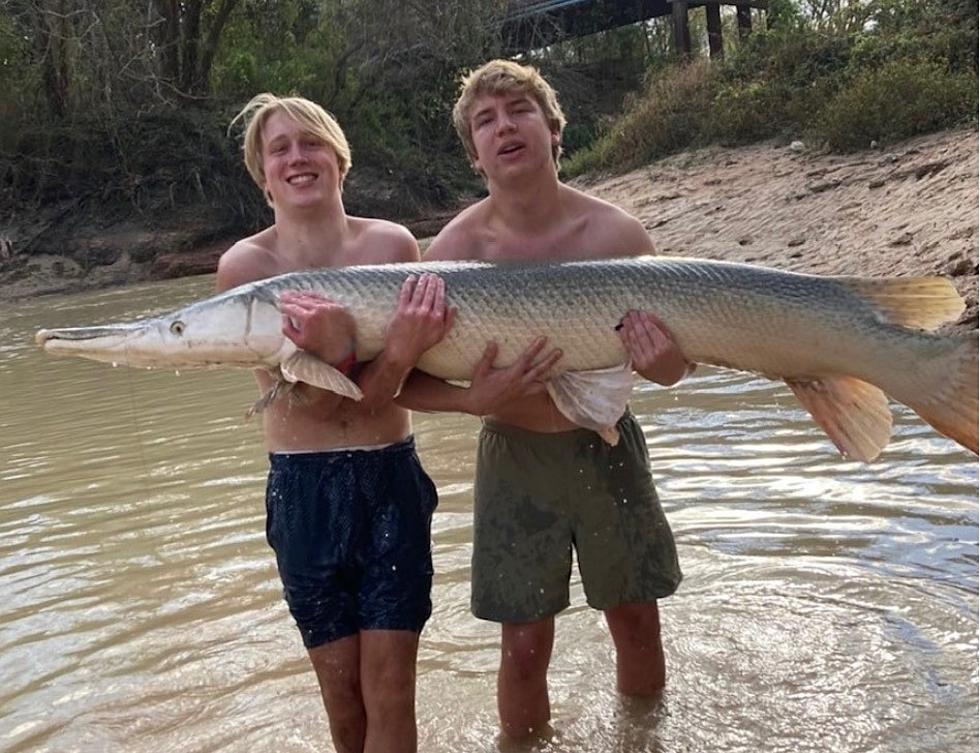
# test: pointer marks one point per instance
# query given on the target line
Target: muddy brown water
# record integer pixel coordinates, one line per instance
(826, 605)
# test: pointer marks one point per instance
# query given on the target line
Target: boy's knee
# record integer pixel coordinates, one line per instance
(389, 688)
(526, 653)
(635, 625)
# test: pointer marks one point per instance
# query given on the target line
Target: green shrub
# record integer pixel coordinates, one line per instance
(911, 69)
(902, 99)
(741, 114)
(667, 117)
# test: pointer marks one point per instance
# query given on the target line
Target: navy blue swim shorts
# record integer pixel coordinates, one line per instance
(351, 532)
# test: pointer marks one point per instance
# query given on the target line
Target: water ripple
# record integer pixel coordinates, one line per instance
(826, 604)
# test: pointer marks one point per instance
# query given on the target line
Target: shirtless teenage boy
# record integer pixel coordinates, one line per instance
(544, 485)
(348, 505)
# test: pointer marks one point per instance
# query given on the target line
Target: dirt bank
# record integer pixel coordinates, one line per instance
(910, 209)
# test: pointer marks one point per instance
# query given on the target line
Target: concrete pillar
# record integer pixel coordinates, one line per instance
(715, 45)
(682, 32)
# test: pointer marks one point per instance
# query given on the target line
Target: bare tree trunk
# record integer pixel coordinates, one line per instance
(168, 39)
(190, 41)
(203, 76)
(53, 30)
(187, 48)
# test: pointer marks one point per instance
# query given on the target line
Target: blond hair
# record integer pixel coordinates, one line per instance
(506, 77)
(311, 117)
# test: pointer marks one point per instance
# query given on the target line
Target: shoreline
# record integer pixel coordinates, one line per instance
(908, 210)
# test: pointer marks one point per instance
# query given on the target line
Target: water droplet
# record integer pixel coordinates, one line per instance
(114, 364)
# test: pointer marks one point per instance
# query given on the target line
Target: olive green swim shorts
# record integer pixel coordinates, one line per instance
(537, 495)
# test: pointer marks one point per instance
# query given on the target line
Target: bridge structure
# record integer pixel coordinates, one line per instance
(531, 24)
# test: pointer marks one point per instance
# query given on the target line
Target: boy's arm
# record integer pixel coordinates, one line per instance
(489, 388)
(652, 349)
(421, 319)
(420, 391)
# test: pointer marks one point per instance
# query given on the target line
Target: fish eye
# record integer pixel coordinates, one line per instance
(177, 327)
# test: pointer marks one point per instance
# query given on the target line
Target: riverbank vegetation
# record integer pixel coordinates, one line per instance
(119, 108)
(853, 76)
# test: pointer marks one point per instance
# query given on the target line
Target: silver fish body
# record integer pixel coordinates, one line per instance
(839, 342)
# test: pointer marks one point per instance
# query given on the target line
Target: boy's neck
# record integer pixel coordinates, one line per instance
(311, 236)
(529, 205)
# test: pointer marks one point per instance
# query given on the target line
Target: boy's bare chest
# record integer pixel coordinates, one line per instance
(555, 246)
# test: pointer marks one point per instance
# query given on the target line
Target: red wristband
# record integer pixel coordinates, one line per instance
(347, 365)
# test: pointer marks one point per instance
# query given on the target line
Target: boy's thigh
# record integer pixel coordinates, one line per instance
(522, 536)
(626, 550)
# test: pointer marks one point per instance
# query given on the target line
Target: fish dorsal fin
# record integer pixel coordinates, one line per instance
(854, 414)
(923, 302)
(594, 399)
(305, 367)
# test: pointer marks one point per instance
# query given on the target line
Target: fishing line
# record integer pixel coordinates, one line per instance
(139, 440)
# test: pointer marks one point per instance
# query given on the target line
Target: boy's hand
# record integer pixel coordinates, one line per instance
(318, 325)
(652, 349)
(421, 320)
(491, 388)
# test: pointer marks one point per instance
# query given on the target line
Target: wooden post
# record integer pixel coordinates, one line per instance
(715, 46)
(682, 32)
(744, 15)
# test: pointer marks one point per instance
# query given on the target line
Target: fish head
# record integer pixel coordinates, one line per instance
(227, 330)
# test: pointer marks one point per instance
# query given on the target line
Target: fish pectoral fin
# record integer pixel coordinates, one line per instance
(594, 399)
(854, 414)
(307, 368)
(281, 388)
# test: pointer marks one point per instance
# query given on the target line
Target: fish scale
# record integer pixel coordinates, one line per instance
(841, 343)
(578, 305)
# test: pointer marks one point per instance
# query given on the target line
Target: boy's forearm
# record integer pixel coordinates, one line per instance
(381, 380)
(422, 392)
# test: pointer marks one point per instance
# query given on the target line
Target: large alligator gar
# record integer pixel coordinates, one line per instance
(841, 343)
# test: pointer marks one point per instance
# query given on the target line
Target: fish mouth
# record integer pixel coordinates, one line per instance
(106, 343)
(48, 338)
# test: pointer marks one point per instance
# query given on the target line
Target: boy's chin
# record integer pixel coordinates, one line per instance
(311, 200)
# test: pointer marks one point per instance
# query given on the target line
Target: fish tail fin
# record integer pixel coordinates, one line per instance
(949, 404)
(921, 302)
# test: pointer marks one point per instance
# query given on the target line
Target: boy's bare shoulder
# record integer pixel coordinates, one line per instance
(462, 236)
(610, 227)
(248, 260)
(381, 241)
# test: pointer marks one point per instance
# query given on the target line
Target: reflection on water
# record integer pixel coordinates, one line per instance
(827, 605)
